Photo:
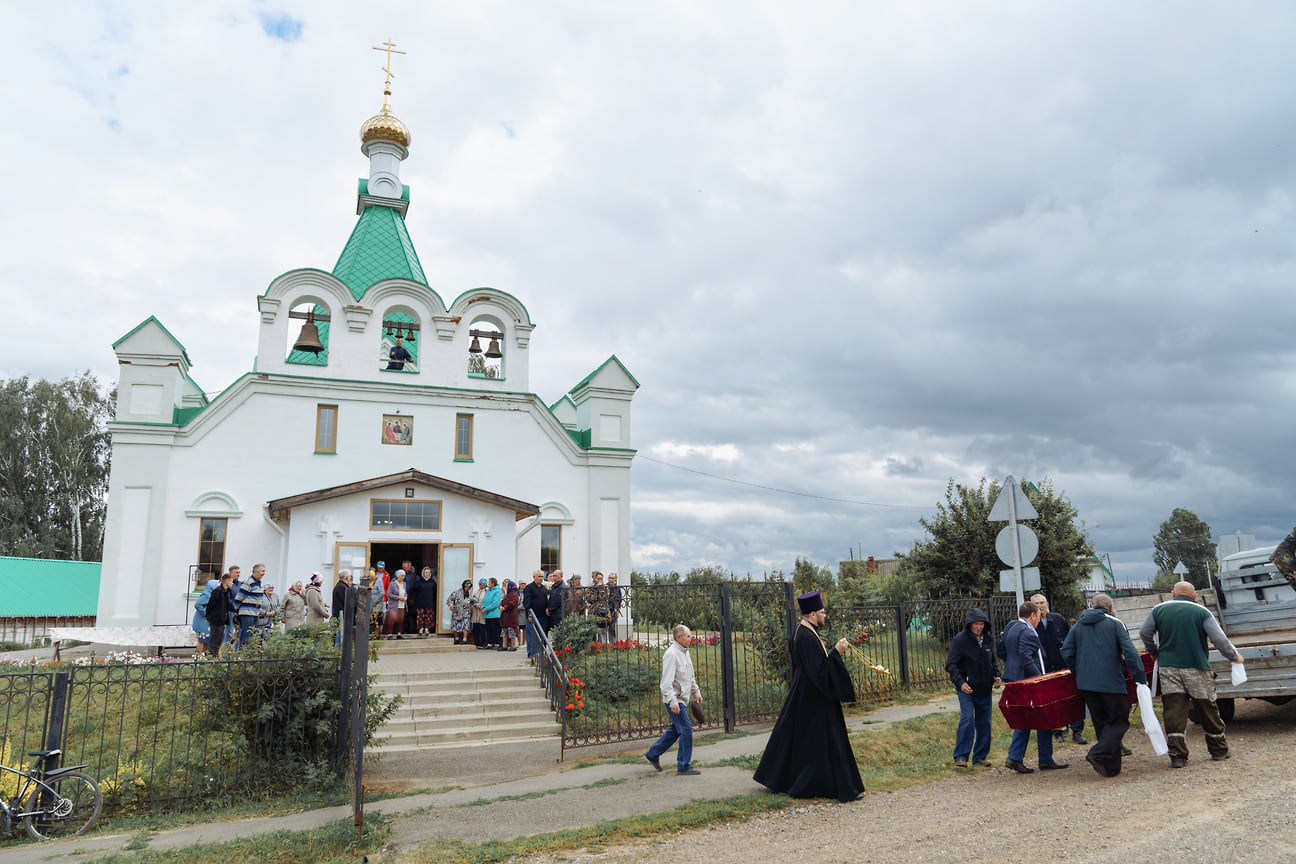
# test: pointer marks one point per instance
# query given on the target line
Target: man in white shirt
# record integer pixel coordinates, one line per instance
(677, 685)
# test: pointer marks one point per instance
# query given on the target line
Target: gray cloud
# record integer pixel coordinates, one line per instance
(849, 252)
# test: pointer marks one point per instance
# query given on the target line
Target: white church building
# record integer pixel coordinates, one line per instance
(379, 422)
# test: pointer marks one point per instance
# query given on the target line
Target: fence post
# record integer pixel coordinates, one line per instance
(360, 692)
(57, 711)
(347, 622)
(789, 603)
(727, 660)
(902, 643)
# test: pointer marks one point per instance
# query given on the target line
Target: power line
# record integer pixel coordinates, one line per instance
(784, 491)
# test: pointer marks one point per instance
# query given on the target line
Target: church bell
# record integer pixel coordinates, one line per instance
(493, 350)
(309, 339)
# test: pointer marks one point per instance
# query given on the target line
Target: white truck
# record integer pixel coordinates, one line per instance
(1257, 609)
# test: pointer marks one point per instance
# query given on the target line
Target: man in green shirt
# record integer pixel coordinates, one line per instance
(1175, 633)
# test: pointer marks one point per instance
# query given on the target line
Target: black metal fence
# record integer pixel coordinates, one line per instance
(166, 733)
(904, 647)
(610, 663)
(601, 672)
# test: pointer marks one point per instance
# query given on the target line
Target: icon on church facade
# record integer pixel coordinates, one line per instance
(397, 429)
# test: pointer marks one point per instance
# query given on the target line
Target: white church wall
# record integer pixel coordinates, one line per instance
(257, 443)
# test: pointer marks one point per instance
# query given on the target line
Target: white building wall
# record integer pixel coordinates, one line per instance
(255, 443)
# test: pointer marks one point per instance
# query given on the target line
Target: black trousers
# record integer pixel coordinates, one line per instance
(492, 631)
(1110, 714)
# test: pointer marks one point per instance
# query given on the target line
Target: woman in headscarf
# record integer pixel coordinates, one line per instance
(479, 615)
(200, 626)
(509, 616)
(491, 613)
(423, 601)
(316, 611)
(294, 607)
(461, 606)
(397, 594)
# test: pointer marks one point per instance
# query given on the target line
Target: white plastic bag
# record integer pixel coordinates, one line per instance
(1239, 674)
(1151, 725)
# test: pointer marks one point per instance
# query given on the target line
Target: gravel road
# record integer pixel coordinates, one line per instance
(1239, 811)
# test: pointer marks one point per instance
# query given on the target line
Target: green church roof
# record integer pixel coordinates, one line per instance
(43, 588)
(379, 248)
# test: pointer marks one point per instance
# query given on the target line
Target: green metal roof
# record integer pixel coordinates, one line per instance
(379, 248)
(41, 587)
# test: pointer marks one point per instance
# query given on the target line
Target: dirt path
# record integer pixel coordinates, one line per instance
(1241, 811)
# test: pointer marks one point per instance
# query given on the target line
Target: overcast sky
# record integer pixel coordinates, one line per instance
(849, 249)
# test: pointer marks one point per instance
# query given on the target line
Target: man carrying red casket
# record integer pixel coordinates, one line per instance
(1023, 658)
(1098, 650)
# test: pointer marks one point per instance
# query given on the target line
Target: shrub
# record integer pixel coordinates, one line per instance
(576, 632)
(622, 675)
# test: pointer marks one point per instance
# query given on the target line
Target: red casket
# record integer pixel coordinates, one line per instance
(1052, 701)
(1044, 702)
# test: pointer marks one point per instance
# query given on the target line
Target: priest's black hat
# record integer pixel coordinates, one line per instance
(811, 602)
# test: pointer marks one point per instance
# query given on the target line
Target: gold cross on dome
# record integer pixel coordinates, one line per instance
(390, 48)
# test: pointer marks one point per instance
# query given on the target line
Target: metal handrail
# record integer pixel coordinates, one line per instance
(552, 673)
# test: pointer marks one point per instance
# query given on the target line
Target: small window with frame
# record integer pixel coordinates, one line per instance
(326, 417)
(463, 438)
(211, 550)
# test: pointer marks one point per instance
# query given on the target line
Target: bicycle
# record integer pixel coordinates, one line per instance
(59, 802)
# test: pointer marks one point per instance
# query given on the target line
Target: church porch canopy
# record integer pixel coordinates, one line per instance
(280, 507)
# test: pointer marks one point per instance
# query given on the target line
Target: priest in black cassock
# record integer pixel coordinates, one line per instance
(808, 754)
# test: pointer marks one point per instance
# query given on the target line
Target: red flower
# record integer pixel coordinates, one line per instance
(569, 706)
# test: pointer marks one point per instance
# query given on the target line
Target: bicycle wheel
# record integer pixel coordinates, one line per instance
(68, 811)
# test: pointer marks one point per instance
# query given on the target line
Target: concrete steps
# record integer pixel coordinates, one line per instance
(458, 707)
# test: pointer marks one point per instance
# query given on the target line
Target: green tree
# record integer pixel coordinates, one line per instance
(1184, 537)
(957, 556)
(807, 577)
(54, 453)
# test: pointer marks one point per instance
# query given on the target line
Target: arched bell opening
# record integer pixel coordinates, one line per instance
(308, 334)
(486, 348)
(399, 341)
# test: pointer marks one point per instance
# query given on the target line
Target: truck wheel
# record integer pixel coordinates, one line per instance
(1226, 708)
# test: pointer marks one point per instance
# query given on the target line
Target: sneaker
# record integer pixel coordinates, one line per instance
(1220, 757)
(653, 761)
(688, 771)
(960, 763)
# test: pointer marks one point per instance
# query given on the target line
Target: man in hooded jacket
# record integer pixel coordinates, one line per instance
(974, 672)
(1098, 650)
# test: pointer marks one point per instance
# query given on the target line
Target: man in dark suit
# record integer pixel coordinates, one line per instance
(1023, 657)
(1052, 630)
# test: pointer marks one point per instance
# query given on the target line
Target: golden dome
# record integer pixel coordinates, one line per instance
(385, 127)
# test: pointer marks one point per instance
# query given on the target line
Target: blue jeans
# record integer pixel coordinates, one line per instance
(247, 626)
(1021, 738)
(682, 730)
(974, 721)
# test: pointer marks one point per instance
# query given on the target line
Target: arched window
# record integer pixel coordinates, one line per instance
(486, 349)
(399, 343)
(312, 332)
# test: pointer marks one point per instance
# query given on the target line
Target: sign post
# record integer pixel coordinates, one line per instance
(1016, 544)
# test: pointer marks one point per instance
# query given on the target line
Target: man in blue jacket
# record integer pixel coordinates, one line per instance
(1023, 657)
(974, 672)
(1098, 650)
